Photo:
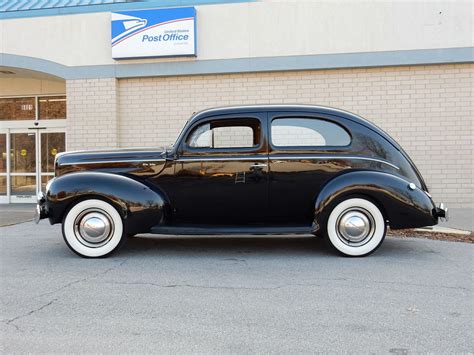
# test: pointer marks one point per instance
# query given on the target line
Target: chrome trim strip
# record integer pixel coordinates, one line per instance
(243, 158)
(156, 150)
(289, 157)
(112, 161)
(339, 157)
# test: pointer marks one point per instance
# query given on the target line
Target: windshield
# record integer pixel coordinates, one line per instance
(181, 133)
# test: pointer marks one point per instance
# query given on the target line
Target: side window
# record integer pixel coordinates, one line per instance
(234, 133)
(307, 132)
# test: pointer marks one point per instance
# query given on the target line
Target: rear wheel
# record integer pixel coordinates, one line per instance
(355, 227)
(93, 228)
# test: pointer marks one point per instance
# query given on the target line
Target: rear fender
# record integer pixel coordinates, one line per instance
(139, 205)
(402, 206)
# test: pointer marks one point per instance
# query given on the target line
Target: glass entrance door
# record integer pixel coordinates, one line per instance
(51, 143)
(23, 166)
(3, 167)
(26, 170)
(32, 132)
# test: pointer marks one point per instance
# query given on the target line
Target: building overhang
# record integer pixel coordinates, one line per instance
(243, 65)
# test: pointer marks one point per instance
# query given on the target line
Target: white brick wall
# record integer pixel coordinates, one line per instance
(92, 114)
(428, 109)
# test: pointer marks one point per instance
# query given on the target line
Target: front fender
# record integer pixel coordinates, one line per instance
(401, 206)
(140, 207)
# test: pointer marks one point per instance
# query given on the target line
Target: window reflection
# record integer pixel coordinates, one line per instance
(307, 132)
(3, 185)
(243, 133)
(44, 181)
(23, 185)
(51, 144)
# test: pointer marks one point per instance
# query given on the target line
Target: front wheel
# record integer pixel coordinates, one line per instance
(93, 228)
(355, 227)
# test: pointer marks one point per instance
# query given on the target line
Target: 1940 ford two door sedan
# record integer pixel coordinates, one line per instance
(270, 169)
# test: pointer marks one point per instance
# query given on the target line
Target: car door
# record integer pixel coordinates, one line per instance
(304, 153)
(221, 172)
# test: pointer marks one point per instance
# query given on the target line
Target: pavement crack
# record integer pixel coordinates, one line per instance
(11, 322)
(269, 288)
(85, 279)
(199, 286)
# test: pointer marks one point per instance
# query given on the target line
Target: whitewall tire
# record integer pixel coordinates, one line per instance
(356, 227)
(93, 228)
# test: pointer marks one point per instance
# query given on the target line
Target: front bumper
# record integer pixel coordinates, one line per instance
(442, 212)
(41, 211)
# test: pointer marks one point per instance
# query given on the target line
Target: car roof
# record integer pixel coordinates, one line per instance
(264, 107)
(225, 110)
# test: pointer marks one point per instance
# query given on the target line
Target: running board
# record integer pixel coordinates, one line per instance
(218, 230)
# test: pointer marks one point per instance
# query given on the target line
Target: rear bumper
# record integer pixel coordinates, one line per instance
(442, 212)
(41, 210)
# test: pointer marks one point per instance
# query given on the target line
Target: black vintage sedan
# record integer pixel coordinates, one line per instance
(269, 169)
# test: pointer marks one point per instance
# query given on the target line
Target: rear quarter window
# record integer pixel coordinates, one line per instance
(307, 132)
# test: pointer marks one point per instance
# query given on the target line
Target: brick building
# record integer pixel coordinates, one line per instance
(406, 66)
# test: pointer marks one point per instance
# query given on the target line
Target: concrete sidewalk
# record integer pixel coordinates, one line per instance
(14, 213)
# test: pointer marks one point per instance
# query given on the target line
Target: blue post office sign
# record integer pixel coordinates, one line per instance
(154, 33)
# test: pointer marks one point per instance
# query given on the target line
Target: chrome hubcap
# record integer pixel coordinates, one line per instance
(93, 228)
(355, 227)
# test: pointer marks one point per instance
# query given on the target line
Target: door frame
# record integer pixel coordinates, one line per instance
(6, 198)
(39, 171)
(24, 198)
(48, 126)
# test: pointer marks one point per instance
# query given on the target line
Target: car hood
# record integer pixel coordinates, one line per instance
(108, 159)
(110, 155)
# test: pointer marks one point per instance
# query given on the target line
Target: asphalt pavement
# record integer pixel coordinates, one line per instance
(233, 295)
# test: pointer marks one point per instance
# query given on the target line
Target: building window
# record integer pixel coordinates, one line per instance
(24, 108)
(52, 107)
(21, 108)
(307, 132)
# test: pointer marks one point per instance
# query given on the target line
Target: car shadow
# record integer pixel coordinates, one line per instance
(250, 245)
(205, 245)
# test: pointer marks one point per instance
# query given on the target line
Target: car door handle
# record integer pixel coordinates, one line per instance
(258, 165)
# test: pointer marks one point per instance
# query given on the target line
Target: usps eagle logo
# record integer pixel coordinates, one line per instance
(125, 25)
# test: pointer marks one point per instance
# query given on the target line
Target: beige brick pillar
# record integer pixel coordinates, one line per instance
(92, 114)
